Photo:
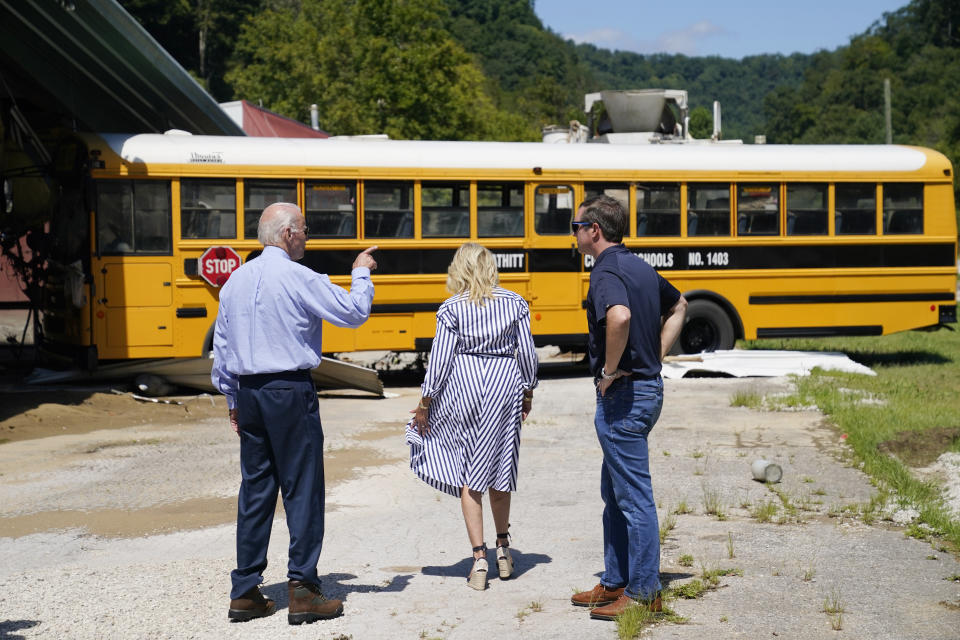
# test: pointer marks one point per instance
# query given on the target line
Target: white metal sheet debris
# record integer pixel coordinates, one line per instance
(195, 373)
(742, 363)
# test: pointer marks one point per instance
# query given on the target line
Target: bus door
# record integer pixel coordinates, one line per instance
(132, 269)
(555, 263)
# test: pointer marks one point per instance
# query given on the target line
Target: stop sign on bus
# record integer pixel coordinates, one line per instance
(217, 263)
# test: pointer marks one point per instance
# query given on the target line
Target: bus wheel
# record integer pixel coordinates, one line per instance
(707, 327)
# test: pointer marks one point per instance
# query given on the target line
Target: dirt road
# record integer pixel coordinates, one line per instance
(121, 527)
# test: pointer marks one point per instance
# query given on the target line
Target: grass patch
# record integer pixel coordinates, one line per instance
(918, 373)
(750, 399)
(765, 511)
(683, 508)
(686, 560)
(712, 504)
(667, 524)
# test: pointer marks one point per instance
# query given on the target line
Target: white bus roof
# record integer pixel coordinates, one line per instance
(412, 154)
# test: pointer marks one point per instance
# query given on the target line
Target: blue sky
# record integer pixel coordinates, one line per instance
(728, 28)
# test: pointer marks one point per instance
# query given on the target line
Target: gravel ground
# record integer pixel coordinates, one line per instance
(126, 533)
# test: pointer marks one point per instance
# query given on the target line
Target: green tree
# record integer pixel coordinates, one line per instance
(199, 34)
(701, 123)
(371, 66)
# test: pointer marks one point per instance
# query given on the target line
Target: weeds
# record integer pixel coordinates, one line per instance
(833, 602)
(916, 373)
(632, 621)
(836, 621)
(765, 511)
(683, 508)
(535, 606)
(730, 545)
(667, 524)
(690, 590)
(686, 560)
(711, 501)
(750, 399)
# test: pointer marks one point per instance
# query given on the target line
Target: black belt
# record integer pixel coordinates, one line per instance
(259, 379)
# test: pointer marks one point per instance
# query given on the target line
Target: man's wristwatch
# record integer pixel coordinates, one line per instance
(607, 376)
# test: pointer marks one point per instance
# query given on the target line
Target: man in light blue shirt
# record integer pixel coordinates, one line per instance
(267, 339)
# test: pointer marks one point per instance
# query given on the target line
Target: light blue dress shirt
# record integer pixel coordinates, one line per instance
(270, 317)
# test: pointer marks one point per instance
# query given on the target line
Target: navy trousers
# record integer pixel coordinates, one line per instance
(281, 447)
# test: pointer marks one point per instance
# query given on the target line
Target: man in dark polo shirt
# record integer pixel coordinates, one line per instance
(634, 316)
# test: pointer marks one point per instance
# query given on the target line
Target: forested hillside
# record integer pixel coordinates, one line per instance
(488, 69)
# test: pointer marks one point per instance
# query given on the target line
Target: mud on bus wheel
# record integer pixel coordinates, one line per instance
(707, 327)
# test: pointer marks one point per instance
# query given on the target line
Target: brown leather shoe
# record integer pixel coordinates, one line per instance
(251, 605)
(596, 597)
(624, 602)
(308, 604)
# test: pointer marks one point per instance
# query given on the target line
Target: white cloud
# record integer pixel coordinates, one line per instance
(606, 38)
(684, 41)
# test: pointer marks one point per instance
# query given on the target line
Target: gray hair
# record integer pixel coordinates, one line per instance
(283, 215)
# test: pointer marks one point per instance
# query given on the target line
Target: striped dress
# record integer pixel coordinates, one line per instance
(481, 361)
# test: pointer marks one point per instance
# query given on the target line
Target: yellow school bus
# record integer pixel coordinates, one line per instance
(764, 240)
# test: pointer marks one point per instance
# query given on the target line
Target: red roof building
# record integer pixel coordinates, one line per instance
(259, 122)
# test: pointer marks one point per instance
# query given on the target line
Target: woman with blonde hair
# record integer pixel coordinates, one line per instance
(465, 433)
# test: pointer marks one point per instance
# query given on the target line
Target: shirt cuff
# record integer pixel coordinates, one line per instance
(360, 272)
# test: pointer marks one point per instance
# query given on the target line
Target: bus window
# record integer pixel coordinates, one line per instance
(708, 210)
(331, 209)
(758, 210)
(902, 208)
(856, 209)
(258, 195)
(553, 209)
(388, 209)
(500, 209)
(208, 208)
(133, 217)
(445, 209)
(616, 190)
(658, 209)
(807, 210)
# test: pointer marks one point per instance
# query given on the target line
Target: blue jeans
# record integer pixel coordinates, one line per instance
(631, 534)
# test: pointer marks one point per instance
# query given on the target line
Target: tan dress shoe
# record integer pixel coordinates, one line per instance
(596, 597)
(624, 602)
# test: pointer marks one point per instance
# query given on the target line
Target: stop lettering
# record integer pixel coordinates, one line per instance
(217, 263)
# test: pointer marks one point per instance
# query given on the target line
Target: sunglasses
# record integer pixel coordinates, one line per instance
(576, 224)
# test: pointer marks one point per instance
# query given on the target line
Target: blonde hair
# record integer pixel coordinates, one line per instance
(473, 269)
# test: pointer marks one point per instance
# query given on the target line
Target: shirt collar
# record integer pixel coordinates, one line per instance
(273, 250)
(609, 251)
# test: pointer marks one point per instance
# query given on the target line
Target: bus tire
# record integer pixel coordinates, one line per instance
(707, 327)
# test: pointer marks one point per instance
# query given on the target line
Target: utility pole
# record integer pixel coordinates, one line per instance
(886, 109)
